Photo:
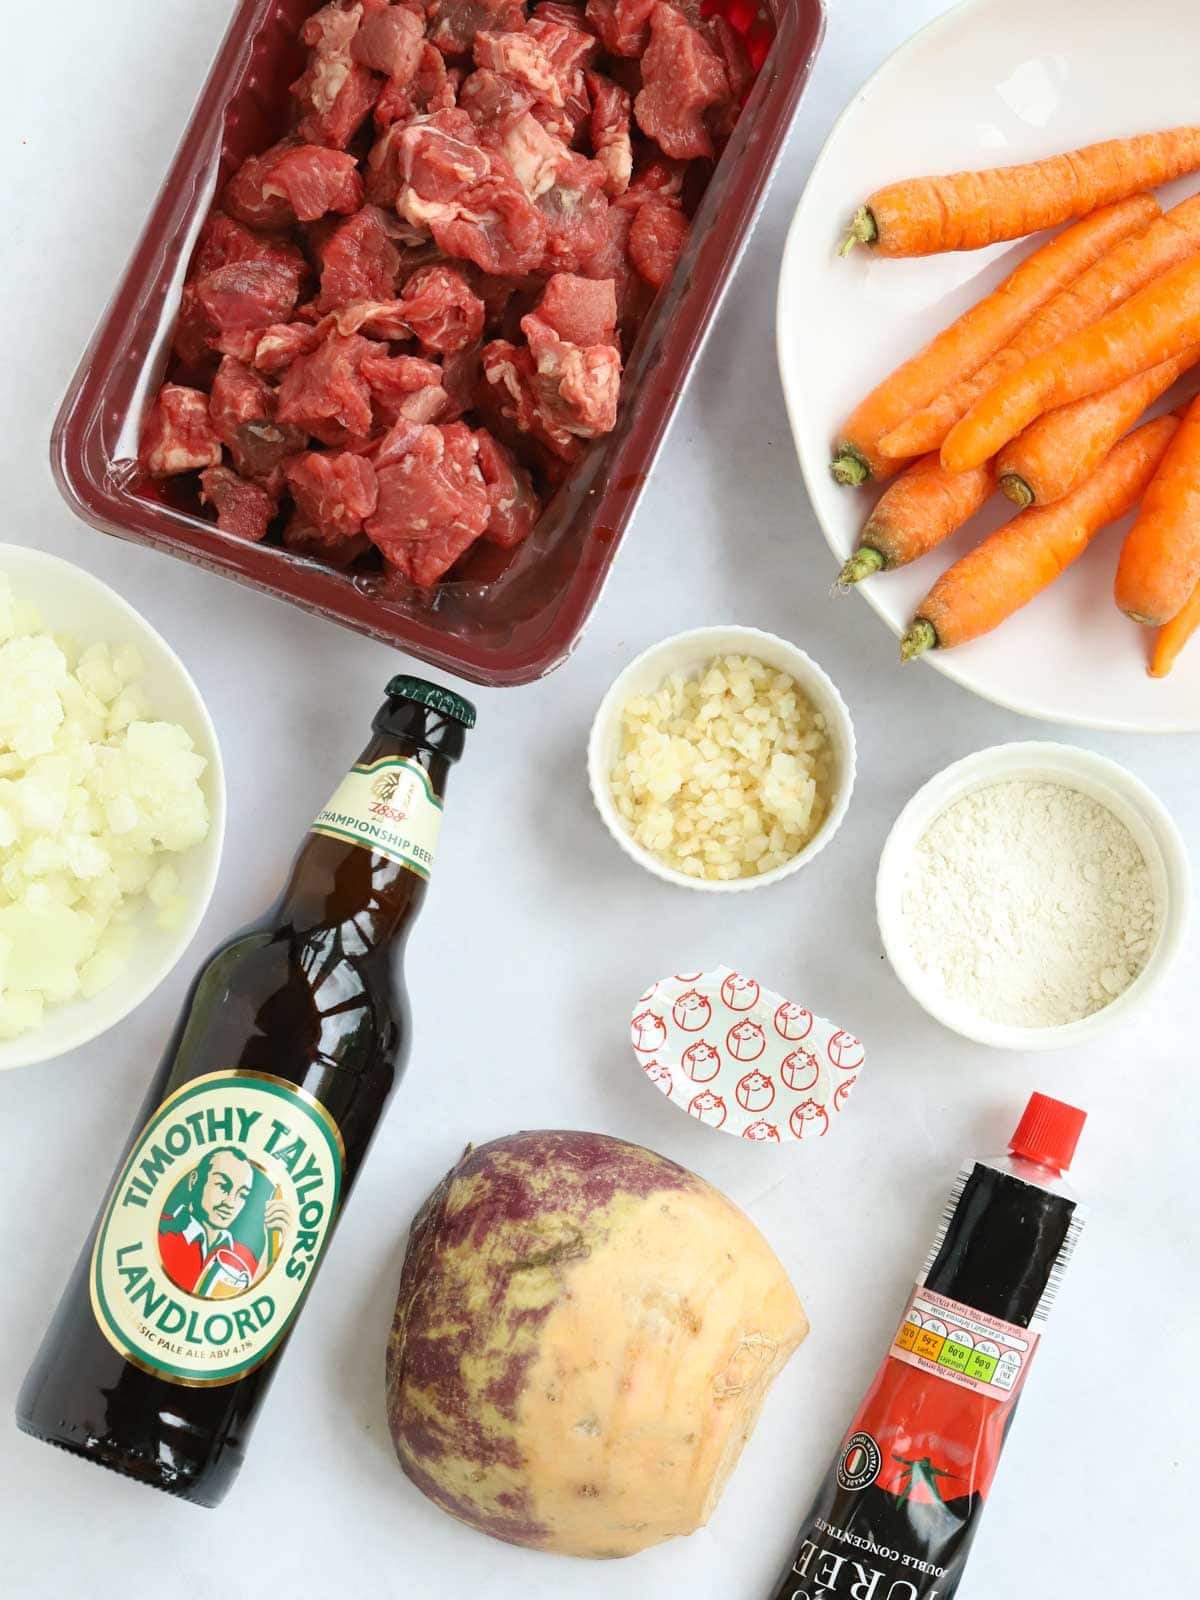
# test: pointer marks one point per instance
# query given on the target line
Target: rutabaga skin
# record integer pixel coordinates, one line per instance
(897, 1513)
(584, 1335)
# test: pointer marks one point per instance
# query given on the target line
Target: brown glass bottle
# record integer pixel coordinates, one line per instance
(288, 1048)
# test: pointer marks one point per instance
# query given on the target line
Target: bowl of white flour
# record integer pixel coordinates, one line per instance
(1032, 895)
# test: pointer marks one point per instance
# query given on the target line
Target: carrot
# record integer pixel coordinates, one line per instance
(1160, 563)
(1173, 635)
(967, 210)
(1128, 267)
(1058, 451)
(1160, 321)
(919, 511)
(1018, 561)
(966, 344)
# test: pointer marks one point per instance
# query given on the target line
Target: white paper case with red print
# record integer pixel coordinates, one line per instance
(738, 1057)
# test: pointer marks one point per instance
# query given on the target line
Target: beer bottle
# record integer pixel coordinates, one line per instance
(289, 1045)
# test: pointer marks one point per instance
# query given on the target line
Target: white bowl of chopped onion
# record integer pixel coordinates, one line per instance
(722, 759)
(112, 807)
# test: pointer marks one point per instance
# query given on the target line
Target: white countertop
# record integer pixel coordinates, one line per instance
(536, 939)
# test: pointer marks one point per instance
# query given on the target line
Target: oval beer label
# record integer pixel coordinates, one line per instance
(215, 1227)
(387, 806)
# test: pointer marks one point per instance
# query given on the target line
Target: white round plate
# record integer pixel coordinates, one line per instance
(991, 83)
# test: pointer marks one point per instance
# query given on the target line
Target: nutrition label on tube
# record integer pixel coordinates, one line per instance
(964, 1346)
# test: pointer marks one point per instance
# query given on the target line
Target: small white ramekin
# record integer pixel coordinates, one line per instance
(1037, 761)
(688, 653)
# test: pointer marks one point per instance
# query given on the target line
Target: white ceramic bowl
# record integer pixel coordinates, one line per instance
(989, 83)
(688, 653)
(1126, 797)
(71, 601)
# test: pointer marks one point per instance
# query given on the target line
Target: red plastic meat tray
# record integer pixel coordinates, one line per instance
(497, 624)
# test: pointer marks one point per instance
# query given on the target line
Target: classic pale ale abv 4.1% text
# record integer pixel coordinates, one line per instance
(288, 1048)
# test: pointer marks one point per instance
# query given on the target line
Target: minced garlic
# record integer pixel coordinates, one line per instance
(726, 774)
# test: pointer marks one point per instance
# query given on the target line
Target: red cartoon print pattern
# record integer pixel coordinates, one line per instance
(800, 1070)
(649, 1033)
(740, 993)
(745, 1041)
(692, 1012)
(701, 1062)
(809, 1120)
(709, 1108)
(842, 1093)
(660, 1076)
(793, 1022)
(846, 1052)
(739, 1058)
(755, 1092)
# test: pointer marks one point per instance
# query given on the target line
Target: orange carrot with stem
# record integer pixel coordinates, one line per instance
(1160, 321)
(1173, 635)
(1018, 561)
(967, 210)
(1058, 451)
(1160, 563)
(919, 511)
(966, 344)
(1128, 267)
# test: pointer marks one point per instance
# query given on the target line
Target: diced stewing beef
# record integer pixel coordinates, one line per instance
(407, 318)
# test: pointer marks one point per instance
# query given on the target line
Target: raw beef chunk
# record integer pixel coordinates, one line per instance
(568, 16)
(575, 385)
(325, 392)
(244, 509)
(334, 492)
(279, 345)
(226, 243)
(390, 42)
(358, 261)
(453, 24)
(557, 391)
(514, 504)
(491, 100)
(467, 196)
(249, 294)
(293, 183)
(242, 406)
(682, 76)
(731, 47)
(178, 435)
(406, 389)
(656, 239)
(335, 91)
(433, 503)
(442, 309)
(623, 25)
(611, 141)
(580, 310)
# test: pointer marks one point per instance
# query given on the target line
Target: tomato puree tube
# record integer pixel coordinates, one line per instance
(897, 1513)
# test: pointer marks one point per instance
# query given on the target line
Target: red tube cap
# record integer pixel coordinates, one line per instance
(1048, 1132)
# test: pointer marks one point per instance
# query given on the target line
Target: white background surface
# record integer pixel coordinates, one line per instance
(537, 938)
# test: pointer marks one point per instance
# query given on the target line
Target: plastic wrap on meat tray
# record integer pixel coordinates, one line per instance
(516, 604)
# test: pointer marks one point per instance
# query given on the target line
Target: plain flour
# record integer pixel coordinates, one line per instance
(1031, 903)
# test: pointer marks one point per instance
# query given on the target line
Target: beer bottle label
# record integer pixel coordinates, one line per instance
(387, 806)
(215, 1227)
